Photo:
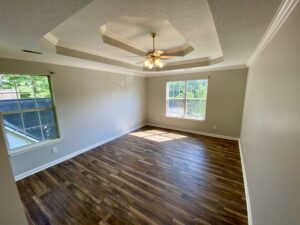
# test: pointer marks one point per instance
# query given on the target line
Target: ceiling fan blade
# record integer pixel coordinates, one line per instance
(166, 57)
(158, 53)
(129, 56)
(140, 62)
(169, 56)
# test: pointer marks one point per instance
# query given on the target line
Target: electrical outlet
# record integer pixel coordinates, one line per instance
(54, 150)
(214, 127)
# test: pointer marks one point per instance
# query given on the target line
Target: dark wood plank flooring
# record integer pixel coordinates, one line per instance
(151, 176)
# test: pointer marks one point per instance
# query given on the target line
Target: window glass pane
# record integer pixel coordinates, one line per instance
(7, 82)
(175, 107)
(176, 89)
(24, 86)
(41, 87)
(175, 98)
(47, 117)
(8, 94)
(49, 132)
(16, 139)
(27, 103)
(25, 91)
(193, 89)
(13, 121)
(203, 89)
(42, 91)
(44, 102)
(23, 80)
(170, 89)
(8, 102)
(34, 133)
(195, 109)
(196, 99)
(31, 119)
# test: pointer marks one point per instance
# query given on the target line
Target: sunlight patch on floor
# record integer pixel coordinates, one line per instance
(157, 135)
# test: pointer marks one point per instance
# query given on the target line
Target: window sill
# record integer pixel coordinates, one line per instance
(21, 150)
(185, 118)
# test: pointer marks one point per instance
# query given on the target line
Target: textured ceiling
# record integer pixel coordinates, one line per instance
(241, 25)
(24, 22)
(175, 24)
(238, 26)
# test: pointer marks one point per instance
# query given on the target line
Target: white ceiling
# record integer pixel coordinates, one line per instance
(230, 28)
(24, 23)
(190, 18)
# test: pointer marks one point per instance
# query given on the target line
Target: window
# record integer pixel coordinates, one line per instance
(28, 112)
(187, 99)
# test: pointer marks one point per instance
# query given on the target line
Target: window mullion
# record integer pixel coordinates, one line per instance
(19, 105)
(29, 110)
(38, 111)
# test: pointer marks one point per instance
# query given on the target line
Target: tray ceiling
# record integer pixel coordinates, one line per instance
(88, 34)
(111, 37)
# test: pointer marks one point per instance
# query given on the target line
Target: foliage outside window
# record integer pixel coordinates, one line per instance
(28, 112)
(187, 99)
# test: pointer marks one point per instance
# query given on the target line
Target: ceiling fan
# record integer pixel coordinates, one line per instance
(154, 56)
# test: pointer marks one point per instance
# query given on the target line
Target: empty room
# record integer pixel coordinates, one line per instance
(136, 112)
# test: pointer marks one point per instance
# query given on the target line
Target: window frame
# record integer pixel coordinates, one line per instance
(33, 146)
(185, 99)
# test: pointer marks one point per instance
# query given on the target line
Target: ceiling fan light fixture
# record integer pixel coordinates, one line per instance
(150, 66)
(160, 65)
(146, 63)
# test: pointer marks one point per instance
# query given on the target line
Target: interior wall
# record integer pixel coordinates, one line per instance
(225, 99)
(92, 106)
(11, 209)
(270, 136)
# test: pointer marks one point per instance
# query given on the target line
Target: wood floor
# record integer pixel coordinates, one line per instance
(151, 176)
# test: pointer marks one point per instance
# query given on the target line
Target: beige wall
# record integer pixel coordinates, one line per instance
(225, 100)
(271, 129)
(92, 106)
(11, 210)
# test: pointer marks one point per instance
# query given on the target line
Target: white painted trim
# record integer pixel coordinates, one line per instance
(32, 147)
(194, 132)
(75, 63)
(51, 38)
(248, 202)
(73, 154)
(280, 17)
(193, 70)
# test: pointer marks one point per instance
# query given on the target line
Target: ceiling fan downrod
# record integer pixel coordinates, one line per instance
(153, 39)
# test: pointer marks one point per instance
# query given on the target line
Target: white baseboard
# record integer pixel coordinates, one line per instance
(250, 221)
(73, 154)
(194, 132)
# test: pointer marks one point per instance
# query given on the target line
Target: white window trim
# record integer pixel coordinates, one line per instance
(183, 117)
(32, 147)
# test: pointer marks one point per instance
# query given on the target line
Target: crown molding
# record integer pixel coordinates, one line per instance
(196, 70)
(115, 40)
(51, 38)
(70, 50)
(283, 12)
